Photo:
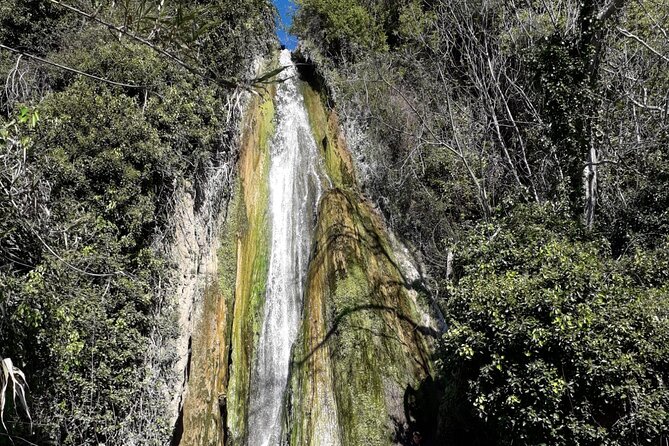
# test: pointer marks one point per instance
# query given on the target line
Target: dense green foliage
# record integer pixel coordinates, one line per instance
(86, 194)
(520, 148)
(558, 342)
(345, 26)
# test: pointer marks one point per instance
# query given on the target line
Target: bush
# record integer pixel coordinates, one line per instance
(554, 342)
(79, 318)
(343, 28)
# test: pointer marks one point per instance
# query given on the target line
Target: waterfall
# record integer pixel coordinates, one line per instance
(295, 184)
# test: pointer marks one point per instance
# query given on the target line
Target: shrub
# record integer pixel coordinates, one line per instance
(554, 342)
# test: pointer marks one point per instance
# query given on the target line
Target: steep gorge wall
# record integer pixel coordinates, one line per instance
(199, 216)
(224, 330)
(362, 363)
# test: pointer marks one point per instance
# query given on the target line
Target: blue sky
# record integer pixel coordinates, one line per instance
(286, 9)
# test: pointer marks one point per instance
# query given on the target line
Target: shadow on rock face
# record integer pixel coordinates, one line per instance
(421, 409)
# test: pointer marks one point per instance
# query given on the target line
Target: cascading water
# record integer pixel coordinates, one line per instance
(295, 181)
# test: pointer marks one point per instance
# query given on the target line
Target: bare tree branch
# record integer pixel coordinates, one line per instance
(633, 36)
(66, 68)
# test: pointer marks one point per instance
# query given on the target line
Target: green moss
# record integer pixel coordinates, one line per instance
(359, 332)
(361, 403)
(358, 343)
(252, 261)
(327, 135)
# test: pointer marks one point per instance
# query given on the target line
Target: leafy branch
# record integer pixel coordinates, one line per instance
(198, 71)
(192, 67)
(70, 69)
(132, 35)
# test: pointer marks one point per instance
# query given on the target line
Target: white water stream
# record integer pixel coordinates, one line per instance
(295, 184)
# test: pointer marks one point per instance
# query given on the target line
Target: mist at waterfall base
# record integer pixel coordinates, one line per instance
(286, 8)
(295, 182)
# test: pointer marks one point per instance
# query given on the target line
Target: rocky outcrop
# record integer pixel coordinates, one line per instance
(364, 351)
(361, 367)
(252, 262)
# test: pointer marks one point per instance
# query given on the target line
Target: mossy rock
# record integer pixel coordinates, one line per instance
(252, 261)
(362, 351)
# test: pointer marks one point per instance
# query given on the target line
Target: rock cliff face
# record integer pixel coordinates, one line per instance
(361, 363)
(363, 351)
(204, 241)
(215, 403)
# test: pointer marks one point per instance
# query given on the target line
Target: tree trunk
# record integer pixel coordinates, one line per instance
(590, 187)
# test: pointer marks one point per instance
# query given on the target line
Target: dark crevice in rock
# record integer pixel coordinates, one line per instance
(421, 411)
(309, 73)
(178, 431)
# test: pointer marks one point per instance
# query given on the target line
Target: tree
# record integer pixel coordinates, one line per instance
(179, 31)
(552, 341)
